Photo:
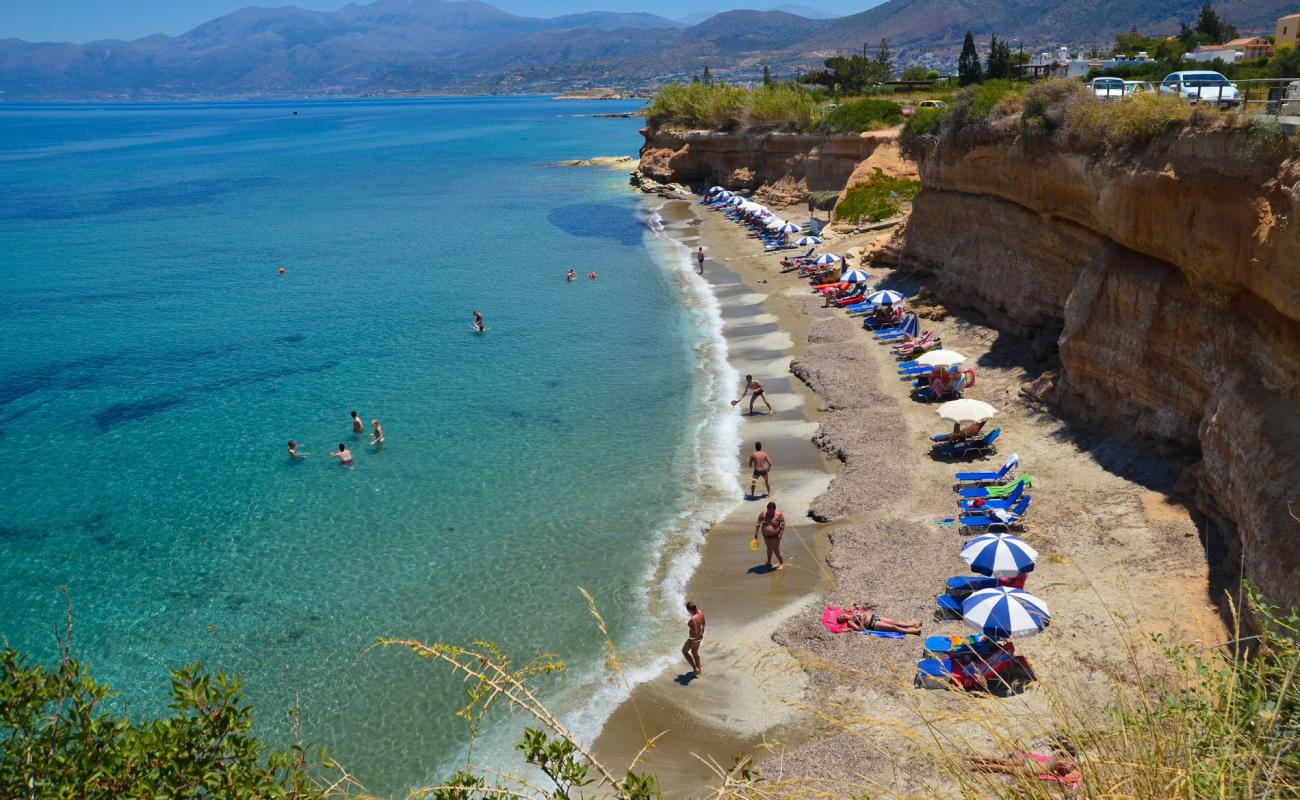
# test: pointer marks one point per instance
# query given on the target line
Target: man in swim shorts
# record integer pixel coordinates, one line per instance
(357, 427)
(755, 390)
(478, 322)
(343, 454)
(771, 524)
(761, 463)
(694, 635)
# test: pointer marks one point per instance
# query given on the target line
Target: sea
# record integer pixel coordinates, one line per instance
(190, 286)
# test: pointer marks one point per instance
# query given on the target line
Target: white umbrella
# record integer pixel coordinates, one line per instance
(827, 259)
(808, 241)
(1002, 613)
(966, 411)
(775, 224)
(941, 358)
(999, 555)
(855, 276)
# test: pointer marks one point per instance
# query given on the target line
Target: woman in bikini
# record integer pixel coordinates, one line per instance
(860, 619)
(771, 523)
(1060, 767)
(694, 635)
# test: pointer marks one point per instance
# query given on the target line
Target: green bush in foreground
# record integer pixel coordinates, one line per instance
(924, 122)
(877, 199)
(718, 106)
(863, 115)
(58, 740)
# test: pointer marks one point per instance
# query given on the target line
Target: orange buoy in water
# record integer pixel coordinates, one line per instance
(281, 270)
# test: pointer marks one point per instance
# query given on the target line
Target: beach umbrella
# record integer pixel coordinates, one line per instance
(855, 276)
(775, 224)
(716, 190)
(940, 358)
(1003, 612)
(966, 411)
(826, 260)
(999, 555)
(736, 200)
(808, 241)
(789, 227)
(885, 296)
(724, 195)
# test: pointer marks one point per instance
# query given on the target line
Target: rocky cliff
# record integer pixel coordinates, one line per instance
(780, 168)
(1171, 281)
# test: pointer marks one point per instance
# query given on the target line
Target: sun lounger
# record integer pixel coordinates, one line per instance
(965, 584)
(996, 491)
(1006, 473)
(907, 328)
(982, 445)
(947, 607)
(983, 504)
(997, 518)
(959, 646)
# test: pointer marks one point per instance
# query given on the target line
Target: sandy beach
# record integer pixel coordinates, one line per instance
(863, 497)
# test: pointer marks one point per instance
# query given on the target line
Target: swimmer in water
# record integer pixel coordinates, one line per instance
(591, 276)
(571, 275)
(478, 322)
(294, 453)
(344, 455)
(379, 432)
(357, 427)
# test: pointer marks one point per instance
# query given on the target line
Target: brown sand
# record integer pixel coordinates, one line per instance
(1102, 521)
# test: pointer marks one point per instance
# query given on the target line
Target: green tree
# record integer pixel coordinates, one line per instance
(706, 78)
(968, 64)
(767, 76)
(884, 65)
(999, 62)
(915, 74)
(1213, 29)
(62, 741)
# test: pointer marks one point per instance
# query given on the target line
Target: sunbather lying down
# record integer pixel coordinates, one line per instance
(1060, 766)
(960, 434)
(860, 619)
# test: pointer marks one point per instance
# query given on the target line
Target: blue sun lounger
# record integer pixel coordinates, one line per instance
(948, 606)
(988, 504)
(910, 327)
(1003, 475)
(1001, 519)
(982, 491)
(965, 584)
(984, 445)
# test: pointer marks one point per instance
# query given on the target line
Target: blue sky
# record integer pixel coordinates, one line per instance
(84, 20)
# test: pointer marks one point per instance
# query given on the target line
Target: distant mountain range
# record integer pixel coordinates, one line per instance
(400, 47)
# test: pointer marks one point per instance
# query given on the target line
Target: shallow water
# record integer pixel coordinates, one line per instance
(155, 366)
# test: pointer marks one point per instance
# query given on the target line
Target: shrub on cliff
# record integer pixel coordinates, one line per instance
(717, 106)
(977, 112)
(877, 199)
(1129, 124)
(780, 105)
(920, 129)
(1044, 108)
(863, 115)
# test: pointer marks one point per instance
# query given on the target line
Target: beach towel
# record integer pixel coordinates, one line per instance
(830, 619)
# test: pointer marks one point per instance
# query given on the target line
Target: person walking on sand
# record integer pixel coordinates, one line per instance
(379, 433)
(699, 259)
(761, 463)
(755, 390)
(478, 322)
(694, 635)
(343, 454)
(771, 523)
(357, 427)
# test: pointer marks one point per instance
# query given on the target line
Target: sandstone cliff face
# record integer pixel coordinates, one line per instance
(781, 168)
(1172, 280)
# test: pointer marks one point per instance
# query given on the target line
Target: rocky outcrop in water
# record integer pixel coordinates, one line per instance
(1171, 281)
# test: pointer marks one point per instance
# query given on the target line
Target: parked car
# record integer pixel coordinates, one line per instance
(1107, 88)
(1201, 87)
(931, 104)
(1137, 87)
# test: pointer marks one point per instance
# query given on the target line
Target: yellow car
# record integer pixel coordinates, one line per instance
(931, 104)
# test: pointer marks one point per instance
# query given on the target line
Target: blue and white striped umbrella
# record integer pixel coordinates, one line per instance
(724, 195)
(827, 259)
(855, 276)
(736, 200)
(885, 296)
(775, 224)
(1002, 613)
(789, 227)
(999, 555)
(716, 189)
(808, 241)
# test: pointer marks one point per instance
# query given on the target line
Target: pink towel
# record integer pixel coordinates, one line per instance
(830, 618)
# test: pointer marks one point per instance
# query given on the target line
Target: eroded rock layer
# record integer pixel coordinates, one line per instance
(1172, 281)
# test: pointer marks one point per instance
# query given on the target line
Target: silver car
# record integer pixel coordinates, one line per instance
(1201, 87)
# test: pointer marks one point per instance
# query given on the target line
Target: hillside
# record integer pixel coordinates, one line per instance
(432, 46)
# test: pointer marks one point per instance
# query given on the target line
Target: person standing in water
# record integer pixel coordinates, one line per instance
(755, 390)
(699, 259)
(760, 462)
(571, 275)
(357, 427)
(694, 635)
(771, 523)
(343, 454)
(379, 433)
(478, 322)
(294, 453)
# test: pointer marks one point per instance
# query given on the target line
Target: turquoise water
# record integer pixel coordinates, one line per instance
(155, 366)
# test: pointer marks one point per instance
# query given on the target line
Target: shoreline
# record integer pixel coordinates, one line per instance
(880, 510)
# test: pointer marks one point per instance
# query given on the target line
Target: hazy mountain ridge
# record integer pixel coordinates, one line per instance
(414, 46)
